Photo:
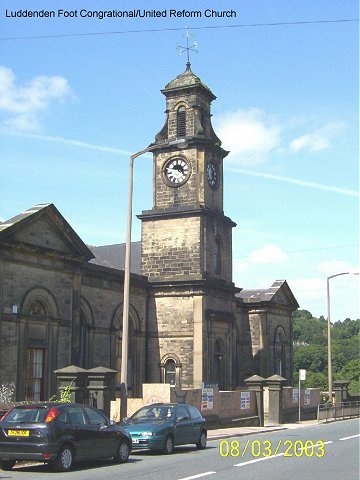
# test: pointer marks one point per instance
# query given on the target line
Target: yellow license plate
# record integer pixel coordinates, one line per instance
(18, 433)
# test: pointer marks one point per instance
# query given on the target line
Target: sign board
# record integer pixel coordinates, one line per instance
(244, 400)
(207, 397)
(295, 395)
(302, 374)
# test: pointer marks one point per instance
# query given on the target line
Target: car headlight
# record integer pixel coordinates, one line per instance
(147, 434)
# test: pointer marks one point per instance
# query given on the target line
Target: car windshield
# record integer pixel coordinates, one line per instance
(27, 415)
(153, 413)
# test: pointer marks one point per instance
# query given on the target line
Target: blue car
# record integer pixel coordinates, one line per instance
(162, 426)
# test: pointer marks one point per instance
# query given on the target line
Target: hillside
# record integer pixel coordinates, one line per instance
(310, 350)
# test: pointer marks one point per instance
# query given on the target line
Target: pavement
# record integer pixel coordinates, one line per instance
(241, 431)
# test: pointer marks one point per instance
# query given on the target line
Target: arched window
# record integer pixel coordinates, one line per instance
(217, 256)
(40, 311)
(83, 350)
(219, 364)
(181, 122)
(279, 352)
(35, 374)
(170, 371)
(116, 339)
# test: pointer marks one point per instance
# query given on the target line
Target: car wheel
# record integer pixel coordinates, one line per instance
(65, 459)
(168, 445)
(7, 464)
(201, 444)
(122, 452)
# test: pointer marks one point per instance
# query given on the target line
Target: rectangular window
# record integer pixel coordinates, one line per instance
(35, 366)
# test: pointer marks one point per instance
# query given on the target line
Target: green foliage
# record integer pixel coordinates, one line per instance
(346, 329)
(310, 350)
(310, 357)
(7, 392)
(65, 395)
(307, 329)
(351, 373)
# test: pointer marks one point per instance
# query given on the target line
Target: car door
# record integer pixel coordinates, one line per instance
(183, 430)
(84, 435)
(197, 423)
(104, 437)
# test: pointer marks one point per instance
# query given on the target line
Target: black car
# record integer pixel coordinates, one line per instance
(60, 434)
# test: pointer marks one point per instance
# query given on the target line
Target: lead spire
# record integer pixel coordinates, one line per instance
(189, 48)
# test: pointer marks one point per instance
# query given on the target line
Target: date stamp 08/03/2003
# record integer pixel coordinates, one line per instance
(266, 448)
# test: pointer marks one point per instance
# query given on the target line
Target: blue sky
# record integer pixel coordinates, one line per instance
(75, 101)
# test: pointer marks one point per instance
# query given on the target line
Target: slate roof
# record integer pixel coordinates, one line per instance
(113, 256)
(261, 295)
(21, 216)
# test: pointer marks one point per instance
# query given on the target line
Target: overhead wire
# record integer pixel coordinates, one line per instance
(154, 30)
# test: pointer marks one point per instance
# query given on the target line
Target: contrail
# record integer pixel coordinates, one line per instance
(75, 143)
(294, 181)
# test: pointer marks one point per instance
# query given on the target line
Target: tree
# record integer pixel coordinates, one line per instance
(351, 373)
(310, 350)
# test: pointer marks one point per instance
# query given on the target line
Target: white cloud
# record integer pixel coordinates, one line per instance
(306, 289)
(318, 140)
(268, 254)
(249, 135)
(21, 105)
(240, 266)
(332, 267)
(311, 295)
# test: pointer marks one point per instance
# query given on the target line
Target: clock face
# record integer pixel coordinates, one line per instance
(212, 174)
(176, 171)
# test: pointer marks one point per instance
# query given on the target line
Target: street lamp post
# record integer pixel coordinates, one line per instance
(329, 328)
(126, 300)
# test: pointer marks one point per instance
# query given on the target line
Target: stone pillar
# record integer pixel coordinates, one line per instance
(75, 378)
(256, 383)
(341, 391)
(101, 388)
(275, 384)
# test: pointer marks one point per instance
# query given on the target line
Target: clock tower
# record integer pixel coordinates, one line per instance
(187, 245)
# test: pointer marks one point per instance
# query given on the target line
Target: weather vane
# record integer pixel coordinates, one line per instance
(188, 48)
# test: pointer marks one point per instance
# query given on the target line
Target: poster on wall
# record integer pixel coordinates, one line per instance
(295, 395)
(244, 400)
(307, 397)
(207, 397)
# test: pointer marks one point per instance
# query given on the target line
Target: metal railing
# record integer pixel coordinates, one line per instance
(338, 411)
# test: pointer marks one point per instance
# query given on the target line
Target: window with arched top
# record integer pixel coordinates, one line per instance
(83, 347)
(170, 369)
(219, 364)
(133, 345)
(170, 372)
(181, 122)
(217, 256)
(279, 352)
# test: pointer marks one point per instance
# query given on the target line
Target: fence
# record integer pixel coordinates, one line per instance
(338, 410)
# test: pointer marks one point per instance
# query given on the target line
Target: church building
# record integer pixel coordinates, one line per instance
(61, 300)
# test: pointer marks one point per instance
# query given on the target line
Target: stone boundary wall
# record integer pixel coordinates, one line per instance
(310, 398)
(223, 409)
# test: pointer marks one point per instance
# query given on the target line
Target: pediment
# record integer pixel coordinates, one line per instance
(283, 294)
(43, 229)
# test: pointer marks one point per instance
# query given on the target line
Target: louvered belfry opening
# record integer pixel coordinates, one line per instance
(181, 122)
